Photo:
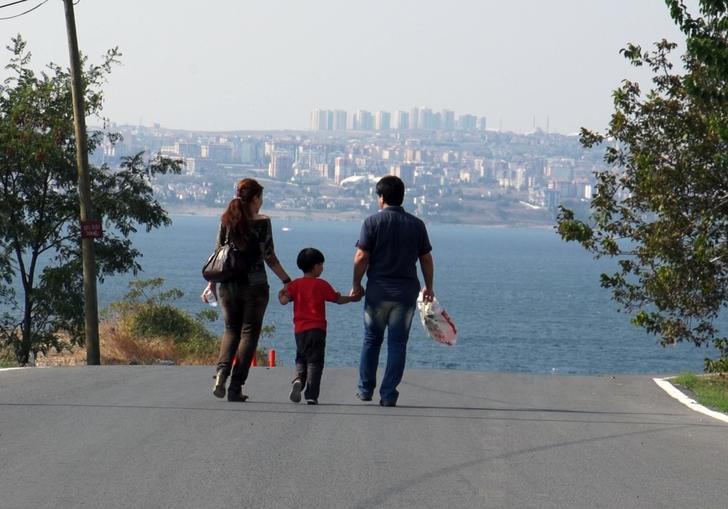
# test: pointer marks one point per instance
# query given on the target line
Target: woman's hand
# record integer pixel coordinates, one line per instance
(283, 296)
(213, 289)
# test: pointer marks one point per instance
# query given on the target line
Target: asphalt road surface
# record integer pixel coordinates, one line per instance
(155, 437)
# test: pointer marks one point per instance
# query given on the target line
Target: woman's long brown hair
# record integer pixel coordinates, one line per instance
(237, 217)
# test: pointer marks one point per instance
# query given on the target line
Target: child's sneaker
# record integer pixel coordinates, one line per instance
(296, 391)
(312, 402)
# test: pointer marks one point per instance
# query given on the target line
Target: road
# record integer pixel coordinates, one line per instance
(155, 437)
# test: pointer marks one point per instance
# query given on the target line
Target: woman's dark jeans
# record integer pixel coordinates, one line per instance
(243, 308)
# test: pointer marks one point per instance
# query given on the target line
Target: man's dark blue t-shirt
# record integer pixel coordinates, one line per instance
(394, 240)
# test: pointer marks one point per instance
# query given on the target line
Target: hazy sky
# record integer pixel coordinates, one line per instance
(265, 64)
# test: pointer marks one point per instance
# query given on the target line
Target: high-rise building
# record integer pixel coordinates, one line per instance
(281, 166)
(218, 152)
(323, 170)
(339, 120)
(317, 120)
(187, 149)
(405, 171)
(467, 122)
(322, 120)
(363, 121)
(248, 151)
(401, 120)
(436, 121)
(518, 178)
(190, 165)
(382, 121)
(414, 118)
(448, 120)
(482, 124)
(426, 119)
(342, 169)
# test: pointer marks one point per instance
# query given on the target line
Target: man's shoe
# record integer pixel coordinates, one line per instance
(312, 402)
(219, 388)
(236, 395)
(296, 391)
(363, 397)
(383, 402)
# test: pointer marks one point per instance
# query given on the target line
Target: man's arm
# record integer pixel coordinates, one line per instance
(427, 266)
(361, 262)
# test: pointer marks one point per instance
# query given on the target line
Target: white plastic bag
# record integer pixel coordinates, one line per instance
(437, 323)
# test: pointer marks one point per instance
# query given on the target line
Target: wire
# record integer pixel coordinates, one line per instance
(23, 13)
(13, 3)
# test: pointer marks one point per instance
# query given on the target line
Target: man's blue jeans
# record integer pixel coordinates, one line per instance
(396, 317)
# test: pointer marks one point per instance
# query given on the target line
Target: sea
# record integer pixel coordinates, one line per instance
(523, 300)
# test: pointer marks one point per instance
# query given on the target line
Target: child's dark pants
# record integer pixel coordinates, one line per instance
(310, 347)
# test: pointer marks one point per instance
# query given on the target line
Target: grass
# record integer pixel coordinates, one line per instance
(146, 328)
(7, 359)
(122, 346)
(710, 390)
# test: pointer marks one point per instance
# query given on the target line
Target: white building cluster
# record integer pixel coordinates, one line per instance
(417, 118)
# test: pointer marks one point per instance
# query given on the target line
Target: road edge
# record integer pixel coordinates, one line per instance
(673, 391)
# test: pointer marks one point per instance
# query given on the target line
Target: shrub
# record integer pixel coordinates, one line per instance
(146, 315)
(7, 357)
(168, 322)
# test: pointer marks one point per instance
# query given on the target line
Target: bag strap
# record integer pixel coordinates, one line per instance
(223, 236)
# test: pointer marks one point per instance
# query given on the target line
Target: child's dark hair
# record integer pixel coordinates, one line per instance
(308, 258)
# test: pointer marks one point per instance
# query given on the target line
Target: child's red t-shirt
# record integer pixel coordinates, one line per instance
(309, 296)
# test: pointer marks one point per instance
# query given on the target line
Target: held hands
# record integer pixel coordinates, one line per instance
(356, 293)
(283, 296)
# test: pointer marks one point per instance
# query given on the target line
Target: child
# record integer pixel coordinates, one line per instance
(309, 295)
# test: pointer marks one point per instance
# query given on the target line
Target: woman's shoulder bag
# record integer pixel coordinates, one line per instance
(228, 263)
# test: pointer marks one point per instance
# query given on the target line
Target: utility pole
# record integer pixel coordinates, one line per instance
(90, 305)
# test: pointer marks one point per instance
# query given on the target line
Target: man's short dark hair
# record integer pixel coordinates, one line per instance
(308, 258)
(391, 188)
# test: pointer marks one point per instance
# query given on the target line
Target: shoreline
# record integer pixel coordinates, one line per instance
(304, 215)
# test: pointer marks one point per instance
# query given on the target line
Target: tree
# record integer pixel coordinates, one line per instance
(40, 248)
(661, 208)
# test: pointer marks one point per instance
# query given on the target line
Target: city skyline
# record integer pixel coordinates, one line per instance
(267, 65)
(415, 118)
(456, 175)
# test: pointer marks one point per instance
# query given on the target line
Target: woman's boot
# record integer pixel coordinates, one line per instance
(219, 388)
(235, 392)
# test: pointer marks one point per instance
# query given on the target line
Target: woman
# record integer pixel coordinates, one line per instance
(244, 299)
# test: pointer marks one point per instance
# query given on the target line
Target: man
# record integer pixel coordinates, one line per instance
(390, 243)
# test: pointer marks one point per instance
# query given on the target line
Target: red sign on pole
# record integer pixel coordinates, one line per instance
(91, 229)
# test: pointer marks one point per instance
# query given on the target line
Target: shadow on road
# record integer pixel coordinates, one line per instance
(379, 499)
(400, 412)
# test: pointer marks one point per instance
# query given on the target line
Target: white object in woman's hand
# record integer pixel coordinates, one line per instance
(209, 297)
